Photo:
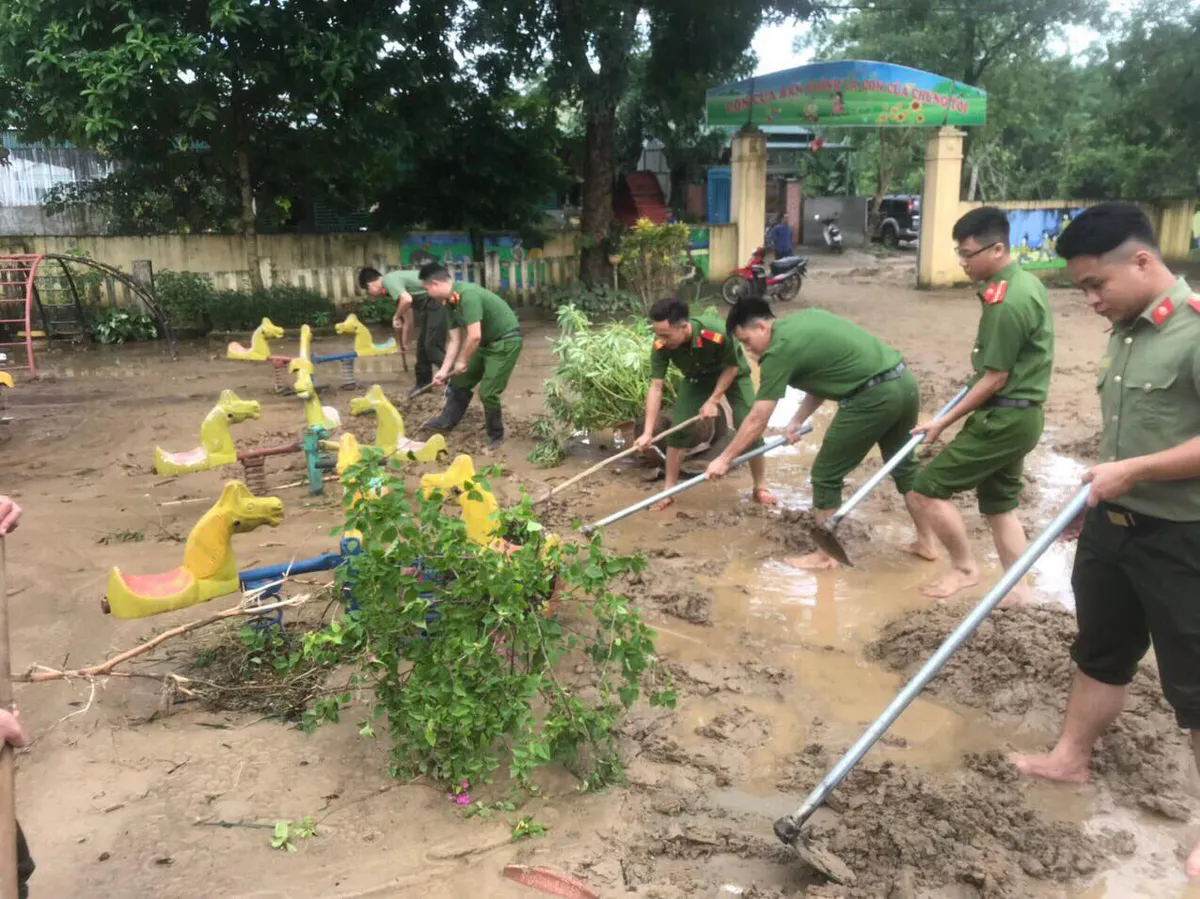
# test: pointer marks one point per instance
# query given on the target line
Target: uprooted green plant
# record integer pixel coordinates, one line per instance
(600, 382)
(471, 653)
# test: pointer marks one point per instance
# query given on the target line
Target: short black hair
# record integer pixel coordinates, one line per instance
(987, 224)
(1102, 228)
(434, 271)
(747, 312)
(367, 276)
(671, 310)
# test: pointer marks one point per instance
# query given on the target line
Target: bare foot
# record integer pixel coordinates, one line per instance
(663, 504)
(814, 561)
(1192, 868)
(954, 581)
(926, 551)
(764, 497)
(1018, 597)
(1052, 767)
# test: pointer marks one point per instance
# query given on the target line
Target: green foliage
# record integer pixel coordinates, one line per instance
(184, 298)
(116, 325)
(597, 301)
(653, 258)
(376, 310)
(525, 827)
(475, 669)
(284, 831)
(601, 381)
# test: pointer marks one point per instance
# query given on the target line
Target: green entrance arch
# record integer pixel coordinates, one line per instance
(852, 94)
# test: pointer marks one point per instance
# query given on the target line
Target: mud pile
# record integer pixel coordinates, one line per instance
(1017, 669)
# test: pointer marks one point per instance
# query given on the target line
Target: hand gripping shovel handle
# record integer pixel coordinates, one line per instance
(788, 827)
(877, 478)
(688, 484)
(611, 459)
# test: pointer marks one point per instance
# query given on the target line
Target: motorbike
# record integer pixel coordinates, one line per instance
(753, 281)
(831, 232)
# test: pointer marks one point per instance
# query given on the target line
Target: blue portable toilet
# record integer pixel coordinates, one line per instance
(719, 189)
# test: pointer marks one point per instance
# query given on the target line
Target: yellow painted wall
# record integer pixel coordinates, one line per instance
(722, 251)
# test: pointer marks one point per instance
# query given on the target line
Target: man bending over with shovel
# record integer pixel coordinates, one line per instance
(829, 358)
(713, 367)
(405, 288)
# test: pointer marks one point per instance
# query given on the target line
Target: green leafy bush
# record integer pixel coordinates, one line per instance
(598, 301)
(527, 657)
(654, 258)
(189, 302)
(376, 310)
(184, 298)
(601, 380)
(114, 325)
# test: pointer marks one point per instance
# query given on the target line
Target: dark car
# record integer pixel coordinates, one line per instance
(899, 219)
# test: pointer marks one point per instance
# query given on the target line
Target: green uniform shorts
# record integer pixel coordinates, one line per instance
(490, 368)
(694, 394)
(883, 416)
(988, 456)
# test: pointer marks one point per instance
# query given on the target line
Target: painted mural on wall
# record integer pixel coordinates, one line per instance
(1033, 234)
(453, 246)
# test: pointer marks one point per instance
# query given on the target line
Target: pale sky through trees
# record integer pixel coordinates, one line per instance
(773, 43)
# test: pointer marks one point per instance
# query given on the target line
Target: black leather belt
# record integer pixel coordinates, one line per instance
(1006, 402)
(515, 332)
(890, 375)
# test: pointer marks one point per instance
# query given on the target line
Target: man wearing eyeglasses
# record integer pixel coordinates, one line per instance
(1012, 358)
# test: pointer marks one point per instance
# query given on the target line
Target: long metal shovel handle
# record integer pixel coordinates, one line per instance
(788, 827)
(876, 479)
(771, 444)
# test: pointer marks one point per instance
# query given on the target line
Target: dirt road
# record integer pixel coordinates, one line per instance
(778, 671)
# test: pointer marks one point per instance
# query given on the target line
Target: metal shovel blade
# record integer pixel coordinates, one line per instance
(825, 537)
(821, 860)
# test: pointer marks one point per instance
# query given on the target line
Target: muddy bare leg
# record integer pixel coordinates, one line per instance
(817, 559)
(674, 463)
(1091, 708)
(1193, 862)
(941, 517)
(1009, 537)
(760, 493)
(925, 546)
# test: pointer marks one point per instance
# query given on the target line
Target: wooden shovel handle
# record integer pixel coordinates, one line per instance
(611, 459)
(8, 795)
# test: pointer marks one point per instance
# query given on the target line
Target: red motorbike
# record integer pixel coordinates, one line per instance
(752, 280)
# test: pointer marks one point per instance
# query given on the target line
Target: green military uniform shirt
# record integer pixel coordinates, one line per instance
(1149, 388)
(471, 304)
(403, 281)
(708, 352)
(1016, 334)
(821, 354)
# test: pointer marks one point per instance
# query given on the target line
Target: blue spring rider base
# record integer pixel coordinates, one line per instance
(270, 578)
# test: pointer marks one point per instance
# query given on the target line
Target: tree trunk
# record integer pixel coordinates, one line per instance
(597, 214)
(249, 232)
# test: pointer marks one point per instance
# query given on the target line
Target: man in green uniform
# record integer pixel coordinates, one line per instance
(412, 301)
(713, 366)
(1012, 358)
(829, 358)
(482, 347)
(1137, 568)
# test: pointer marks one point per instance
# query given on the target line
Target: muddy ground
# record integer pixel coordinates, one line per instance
(777, 671)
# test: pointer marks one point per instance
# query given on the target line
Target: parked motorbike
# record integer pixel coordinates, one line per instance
(831, 232)
(752, 280)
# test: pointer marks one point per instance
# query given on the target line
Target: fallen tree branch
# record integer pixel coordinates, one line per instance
(40, 673)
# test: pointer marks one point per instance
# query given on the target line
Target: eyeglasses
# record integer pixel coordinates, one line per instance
(965, 256)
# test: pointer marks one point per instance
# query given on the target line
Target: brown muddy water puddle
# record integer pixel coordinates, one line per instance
(814, 626)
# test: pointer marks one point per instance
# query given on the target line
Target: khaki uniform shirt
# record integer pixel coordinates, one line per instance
(1016, 334)
(709, 352)
(1149, 387)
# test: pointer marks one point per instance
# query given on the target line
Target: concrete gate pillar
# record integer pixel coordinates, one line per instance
(937, 263)
(748, 191)
(795, 203)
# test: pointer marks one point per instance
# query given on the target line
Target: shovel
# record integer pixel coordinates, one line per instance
(788, 828)
(611, 459)
(688, 484)
(8, 798)
(825, 535)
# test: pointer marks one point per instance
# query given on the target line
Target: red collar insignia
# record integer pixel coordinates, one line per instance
(1162, 312)
(658, 344)
(453, 299)
(995, 293)
(712, 337)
